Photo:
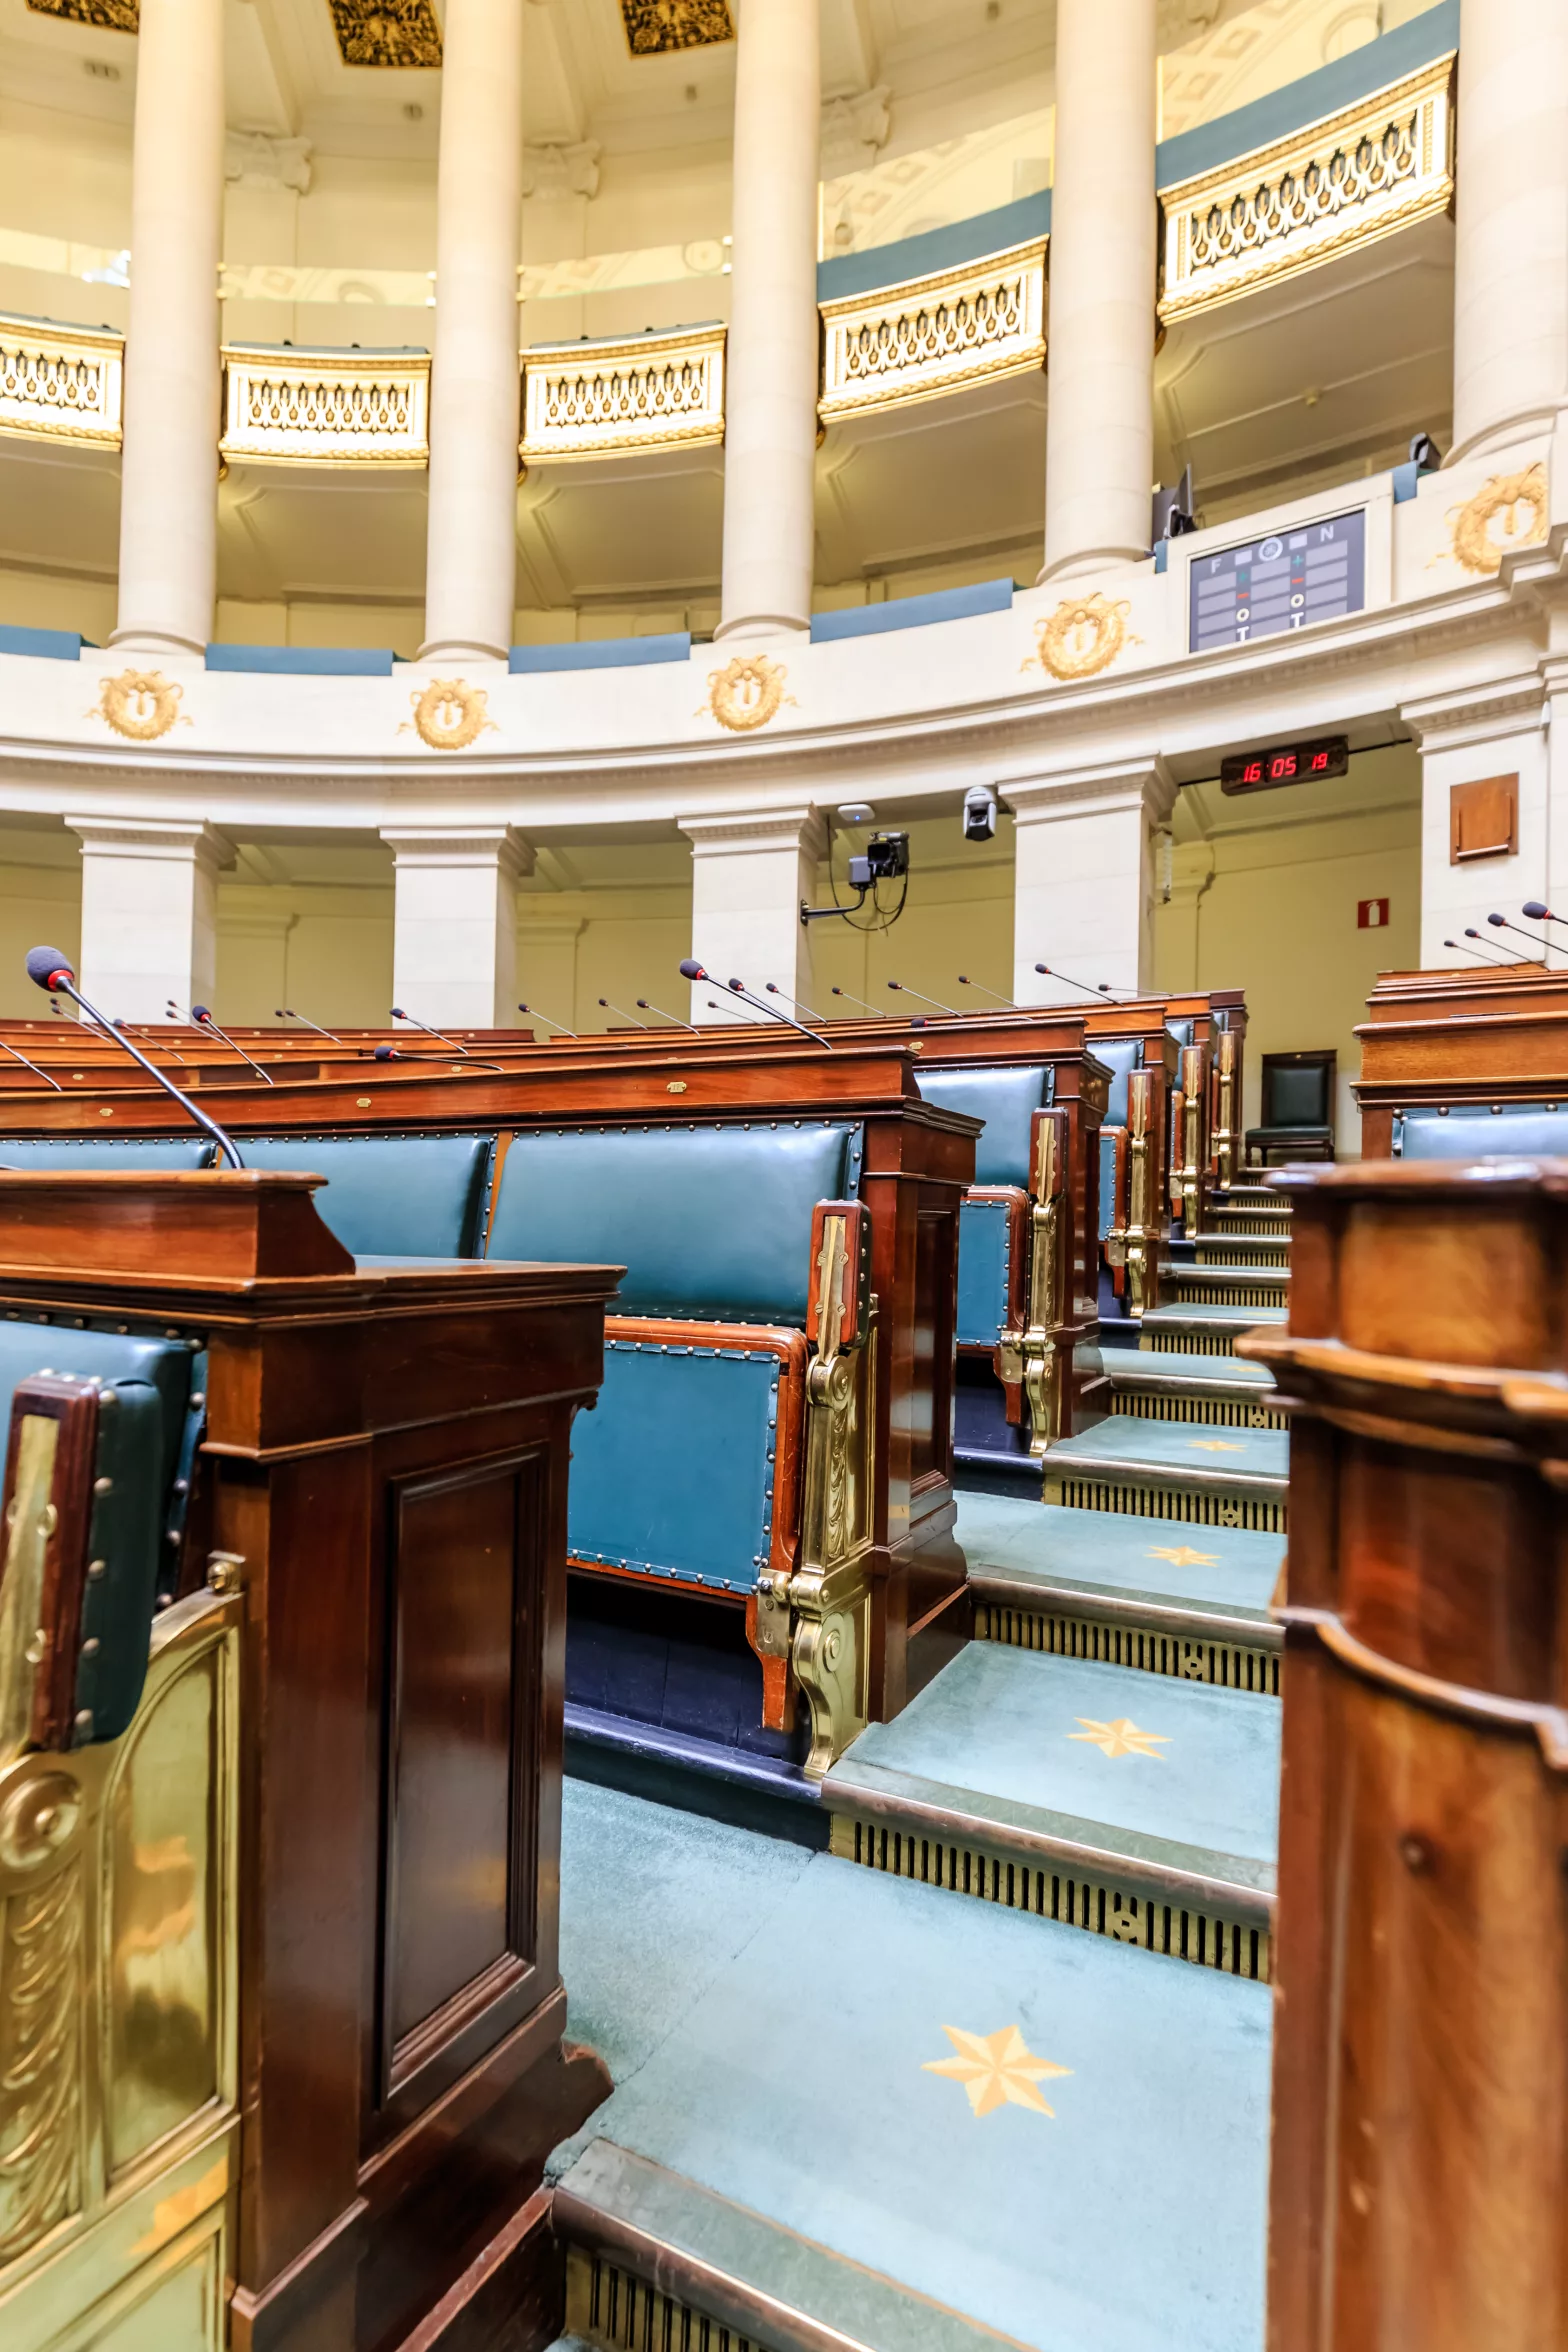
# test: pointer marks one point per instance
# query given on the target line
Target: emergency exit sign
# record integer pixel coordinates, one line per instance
(1371, 914)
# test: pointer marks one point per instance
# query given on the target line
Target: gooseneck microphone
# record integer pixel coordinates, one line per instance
(534, 1014)
(880, 1011)
(287, 1013)
(50, 970)
(902, 988)
(1493, 946)
(774, 989)
(1460, 948)
(204, 1020)
(674, 1019)
(692, 970)
(1539, 912)
(627, 1017)
(964, 981)
(1100, 988)
(33, 1066)
(1501, 923)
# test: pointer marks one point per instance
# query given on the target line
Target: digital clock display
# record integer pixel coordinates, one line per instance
(1285, 763)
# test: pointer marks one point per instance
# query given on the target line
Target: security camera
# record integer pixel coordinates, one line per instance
(979, 813)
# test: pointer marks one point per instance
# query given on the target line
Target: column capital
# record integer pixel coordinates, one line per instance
(154, 837)
(1104, 785)
(501, 846)
(739, 831)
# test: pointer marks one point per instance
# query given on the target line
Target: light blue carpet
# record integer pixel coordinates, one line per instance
(1133, 1364)
(1179, 1445)
(1016, 1536)
(798, 2084)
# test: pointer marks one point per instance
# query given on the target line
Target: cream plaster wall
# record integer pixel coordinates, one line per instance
(40, 905)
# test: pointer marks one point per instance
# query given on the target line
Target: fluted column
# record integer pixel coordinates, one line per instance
(169, 465)
(1511, 222)
(1099, 435)
(475, 386)
(770, 429)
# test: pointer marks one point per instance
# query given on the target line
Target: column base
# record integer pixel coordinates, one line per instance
(1535, 425)
(1091, 560)
(160, 641)
(462, 649)
(762, 626)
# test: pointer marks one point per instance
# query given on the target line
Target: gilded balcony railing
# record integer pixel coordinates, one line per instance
(325, 408)
(60, 383)
(1381, 165)
(934, 334)
(603, 399)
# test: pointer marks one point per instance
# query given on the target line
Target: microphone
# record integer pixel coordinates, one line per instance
(1472, 933)
(737, 988)
(1460, 949)
(1503, 924)
(674, 1019)
(1539, 913)
(33, 1066)
(204, 1020)
(1101, 987)
(125, 1028)
(878, 1010)
(287, 1013)
(774, 989)
(610, 1008)
(450, 1043)
(388, 1053)
(534, 1014)
(901, 989)
(964, 981)
(48, 968)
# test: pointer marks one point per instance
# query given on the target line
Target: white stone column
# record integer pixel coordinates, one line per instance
(1099, 433)
(149, 914)
(454, 945)
(771, 368)
(1511, 223)
(1497, 729)
(749, 876)
(475, 383)
(169, 463)
(1085, 875)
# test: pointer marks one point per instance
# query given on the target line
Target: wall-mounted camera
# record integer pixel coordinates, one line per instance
(885, 858)
(979, 813)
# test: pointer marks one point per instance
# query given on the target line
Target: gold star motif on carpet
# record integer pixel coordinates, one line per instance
(1183, 1556)
(996, 2070)
(1214, 1445)
(1121, 1738)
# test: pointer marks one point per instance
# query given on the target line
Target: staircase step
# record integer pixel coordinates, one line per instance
(1242, 1249)
(1272, 1223)
(1233, 1286)
(1203, 1328)
(1251, 1196)
(789, 2161)
(1224, 1391)
(1155, 1470)
(1101, 1585)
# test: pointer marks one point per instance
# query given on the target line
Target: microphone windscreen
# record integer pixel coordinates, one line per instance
(1533, 907)
(200, 1013)
(44, 962)
(386, 1053)
(691, 969)
(1500, 920)
(739, 986)
(398, 1013)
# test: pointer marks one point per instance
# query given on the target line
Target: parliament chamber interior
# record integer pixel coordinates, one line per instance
(784, 1175)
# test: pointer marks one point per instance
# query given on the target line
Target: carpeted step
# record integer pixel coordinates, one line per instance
(1202, 1330)
(1096, 1584)
(894, 2121)
(1227, 1286)
(1157, 1470)
(1089, 1794)
(1251, 1196)
(1269, 1220)
(1224, 1391)
(1258, 1250)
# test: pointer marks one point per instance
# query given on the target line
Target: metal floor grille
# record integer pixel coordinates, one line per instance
(1219, 1412)
(1232, 1665)
(1200, 1505)
(607, 2306)
(1181, 1931)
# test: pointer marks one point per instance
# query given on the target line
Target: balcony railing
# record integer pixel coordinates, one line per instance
(934, 334)
(325, 408)
(604, 399)
(1381, 165)
(60, 383)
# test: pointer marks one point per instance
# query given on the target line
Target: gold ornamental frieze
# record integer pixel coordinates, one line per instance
(449, 714)
(141, 705)
(1507, 512)
(288, 406)
(1082, 637)
(746, 693)
(934, 334)
(606, 399)
(1360, 175)
(654, 27)
(60, 383)
(387, 32)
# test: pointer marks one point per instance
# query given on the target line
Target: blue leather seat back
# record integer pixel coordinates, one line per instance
(1472, 1132)
(711, 1222)
(1121, 1056)
(101, 1151)
(162, 1365)
(1006, 1099)
(1107, 1181)
(984, 1250)
(673, 1473)
(391, 1195)
(1181, 1029)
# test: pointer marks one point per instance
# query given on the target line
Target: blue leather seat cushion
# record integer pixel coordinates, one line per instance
(673, 1472)
(1107, 1180)
(1006, 1100)
(982, 1272)
(1121, 1056)
(1477, 1134)
(710, 1222)
(391, 1195)
(101, 1151)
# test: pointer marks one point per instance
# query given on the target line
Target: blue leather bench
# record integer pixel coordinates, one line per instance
(1469, 1131)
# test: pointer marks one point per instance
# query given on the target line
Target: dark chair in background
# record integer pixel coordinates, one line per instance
(1298, 1109)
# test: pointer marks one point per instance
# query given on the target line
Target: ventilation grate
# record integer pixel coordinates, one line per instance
(1258, 1221)
(1200, 1505)
(1189, 1343)
(1231, 1665)
(1192, 1292)
(1216, 1253)
(608, 2307)
(1181, 1931)
(1219, 1412)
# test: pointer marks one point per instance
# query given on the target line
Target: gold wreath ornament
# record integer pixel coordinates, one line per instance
(141, 705)
(746, 693)
(1470, 525)
(1082, 637)
(450, 714)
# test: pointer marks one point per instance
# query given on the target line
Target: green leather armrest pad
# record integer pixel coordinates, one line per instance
(711, 1222)
(127, 1535)
(1006, 1100)
(984, 1254)
(391, 1196)
(163, 1365)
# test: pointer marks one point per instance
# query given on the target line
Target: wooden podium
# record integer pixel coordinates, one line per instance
(383, 1482)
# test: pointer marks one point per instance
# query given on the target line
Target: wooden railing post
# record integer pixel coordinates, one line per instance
(1420, 2158)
